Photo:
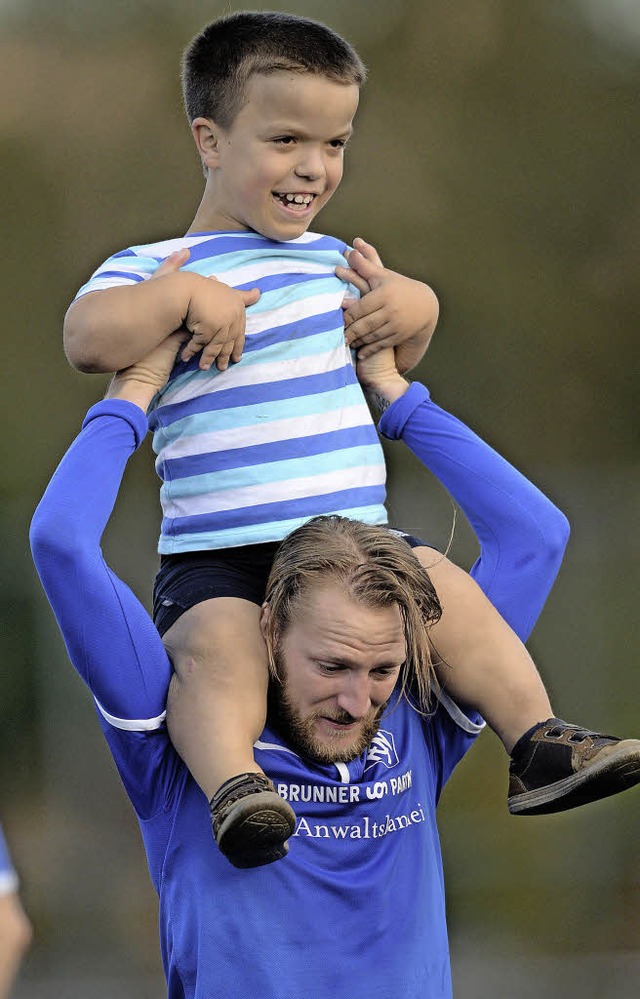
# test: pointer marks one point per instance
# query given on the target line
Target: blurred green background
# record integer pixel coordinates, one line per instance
(496, 157)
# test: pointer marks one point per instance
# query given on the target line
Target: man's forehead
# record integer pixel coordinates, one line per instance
(336, 622)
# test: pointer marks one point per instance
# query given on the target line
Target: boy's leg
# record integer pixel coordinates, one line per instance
(215, 712)
(482, 663)
(478, 659)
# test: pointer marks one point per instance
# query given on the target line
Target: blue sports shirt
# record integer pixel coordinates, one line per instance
(357, 908)
(8, 876)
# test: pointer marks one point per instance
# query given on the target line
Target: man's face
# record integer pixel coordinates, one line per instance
(282, 158)
(338, 661)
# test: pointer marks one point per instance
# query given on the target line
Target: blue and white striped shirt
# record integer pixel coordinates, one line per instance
(248, 454)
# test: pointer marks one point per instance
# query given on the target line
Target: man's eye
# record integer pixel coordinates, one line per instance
(331, 667)
(338, 143)
(386, 671)
(285, 140)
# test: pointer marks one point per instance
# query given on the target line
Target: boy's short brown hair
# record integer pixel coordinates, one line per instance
(218, 62)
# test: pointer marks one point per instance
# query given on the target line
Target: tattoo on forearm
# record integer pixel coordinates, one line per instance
(379, 402)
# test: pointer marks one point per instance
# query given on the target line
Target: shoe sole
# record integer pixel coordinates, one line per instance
(256, 830)
(617, 772)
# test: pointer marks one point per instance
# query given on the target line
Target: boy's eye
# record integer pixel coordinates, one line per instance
(338, 143)
(285, 140)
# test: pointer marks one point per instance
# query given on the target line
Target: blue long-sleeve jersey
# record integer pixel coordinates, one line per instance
(8, 876)
(356, 910)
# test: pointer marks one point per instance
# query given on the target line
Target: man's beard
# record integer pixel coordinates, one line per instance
(299, 731)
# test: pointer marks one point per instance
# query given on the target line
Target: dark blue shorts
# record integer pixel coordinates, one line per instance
(188, 578)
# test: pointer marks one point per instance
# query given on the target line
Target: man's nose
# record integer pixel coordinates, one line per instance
(355, 696)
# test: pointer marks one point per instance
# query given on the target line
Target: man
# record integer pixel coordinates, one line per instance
(15, 928)
(357, 908)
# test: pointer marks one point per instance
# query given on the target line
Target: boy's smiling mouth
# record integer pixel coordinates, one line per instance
(296, 202)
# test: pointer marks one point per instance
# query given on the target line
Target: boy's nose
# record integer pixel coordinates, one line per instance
(310, 166)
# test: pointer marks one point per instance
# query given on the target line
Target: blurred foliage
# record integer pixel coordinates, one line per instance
(495, 156)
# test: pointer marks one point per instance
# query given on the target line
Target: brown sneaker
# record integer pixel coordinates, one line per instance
(251, 822)
(555, 766)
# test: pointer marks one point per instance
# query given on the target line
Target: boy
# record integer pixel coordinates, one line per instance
(249, 452)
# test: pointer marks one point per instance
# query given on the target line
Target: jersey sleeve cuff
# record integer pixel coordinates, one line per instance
(123, 410)
(393, 420)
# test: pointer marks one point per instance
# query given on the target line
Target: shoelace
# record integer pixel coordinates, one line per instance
(579, 736)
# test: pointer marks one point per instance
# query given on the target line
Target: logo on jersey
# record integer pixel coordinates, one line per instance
(382, 749)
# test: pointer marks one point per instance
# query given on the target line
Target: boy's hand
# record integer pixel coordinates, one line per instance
(215, 318)
(395, 311)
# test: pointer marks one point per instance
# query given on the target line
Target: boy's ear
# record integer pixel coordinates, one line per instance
(206, 135)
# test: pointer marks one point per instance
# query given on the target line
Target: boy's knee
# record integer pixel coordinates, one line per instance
(211, 636)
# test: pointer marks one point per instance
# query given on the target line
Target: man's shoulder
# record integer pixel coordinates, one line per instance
(445, 728)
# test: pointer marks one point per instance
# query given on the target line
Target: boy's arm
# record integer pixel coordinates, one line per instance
(114, 328)
(522, 535)
(394, 311)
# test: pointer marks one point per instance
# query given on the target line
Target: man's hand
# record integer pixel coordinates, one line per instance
(395, 311)
(142, 380)
(381, 382)
(215, 319)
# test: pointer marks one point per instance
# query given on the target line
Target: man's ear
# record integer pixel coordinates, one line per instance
(206, 135)
(265, 614)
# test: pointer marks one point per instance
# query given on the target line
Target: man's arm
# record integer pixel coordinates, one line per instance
(111, 329)
(15, 928)
(110, 638)
(522, 535)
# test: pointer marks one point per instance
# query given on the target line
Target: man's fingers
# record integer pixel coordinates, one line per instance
(190, 350)
(173, 263)
(169, 348)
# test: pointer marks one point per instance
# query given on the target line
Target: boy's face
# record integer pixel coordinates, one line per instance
(281, 160)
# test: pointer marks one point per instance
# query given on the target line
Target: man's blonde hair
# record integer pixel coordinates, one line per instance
(376, 567)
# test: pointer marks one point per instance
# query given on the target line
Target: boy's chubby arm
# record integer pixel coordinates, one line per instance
(112, 329)
(394, 311)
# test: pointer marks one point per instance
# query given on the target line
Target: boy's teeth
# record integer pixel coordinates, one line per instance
(298, 199)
